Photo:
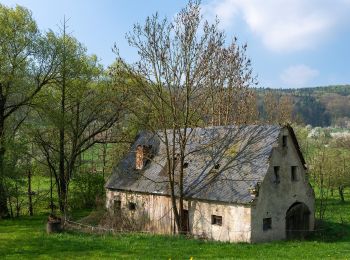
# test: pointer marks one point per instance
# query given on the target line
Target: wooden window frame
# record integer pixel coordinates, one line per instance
(216, 220)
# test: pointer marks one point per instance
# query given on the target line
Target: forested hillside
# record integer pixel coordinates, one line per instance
(318, 106)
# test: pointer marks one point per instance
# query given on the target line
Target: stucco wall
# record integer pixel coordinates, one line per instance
(235, 226)
(275, 198)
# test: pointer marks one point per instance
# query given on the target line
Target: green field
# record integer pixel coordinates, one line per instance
(25, 238)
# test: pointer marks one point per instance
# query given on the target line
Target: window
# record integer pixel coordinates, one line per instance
(276, 171)
(117, 205)
(284, 141)
(294, 174)
(216, 220)
(132, 206)
(267, 224)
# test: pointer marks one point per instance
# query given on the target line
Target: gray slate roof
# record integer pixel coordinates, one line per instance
(241, 152)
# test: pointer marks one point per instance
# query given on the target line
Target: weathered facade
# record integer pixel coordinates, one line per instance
(260, 192)
(278, 196)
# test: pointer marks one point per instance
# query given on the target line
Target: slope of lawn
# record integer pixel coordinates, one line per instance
(25, 238)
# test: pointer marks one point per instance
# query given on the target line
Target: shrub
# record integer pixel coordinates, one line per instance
(87, 190)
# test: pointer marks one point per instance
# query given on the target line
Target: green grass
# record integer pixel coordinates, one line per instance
(25, 238)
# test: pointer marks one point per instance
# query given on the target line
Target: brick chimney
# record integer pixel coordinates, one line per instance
(142, 156)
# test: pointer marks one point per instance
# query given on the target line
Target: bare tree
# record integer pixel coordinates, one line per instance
(278, 109)
(186, 77)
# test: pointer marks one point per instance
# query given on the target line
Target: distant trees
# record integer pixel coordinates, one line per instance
(277, 109)
(319, 106)
(312, 111)
(186, 77)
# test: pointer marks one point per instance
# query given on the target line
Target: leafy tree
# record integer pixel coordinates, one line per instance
(27, 64)
(340, 147)
(76, 111)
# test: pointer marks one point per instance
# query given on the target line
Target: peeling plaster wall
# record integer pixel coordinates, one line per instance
(275, 198)
(236, 221)
(235, 226)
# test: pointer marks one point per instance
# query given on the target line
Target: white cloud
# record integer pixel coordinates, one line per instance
(283, 25)
(225, 10)
(298, 75)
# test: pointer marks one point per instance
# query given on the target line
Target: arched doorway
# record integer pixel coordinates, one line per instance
(297, 221)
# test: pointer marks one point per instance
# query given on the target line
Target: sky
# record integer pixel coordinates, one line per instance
(292, 43)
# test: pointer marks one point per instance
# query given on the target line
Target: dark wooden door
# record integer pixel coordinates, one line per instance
(297, 221)
(186, 221)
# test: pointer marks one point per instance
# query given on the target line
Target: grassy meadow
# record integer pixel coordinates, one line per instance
(25, 238)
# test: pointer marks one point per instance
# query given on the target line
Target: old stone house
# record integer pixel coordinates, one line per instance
(242, 184)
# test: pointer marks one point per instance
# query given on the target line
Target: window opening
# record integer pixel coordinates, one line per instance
(284, 141)
(276, 170)
(294, 173)
(267, 224)
(216, 220)
(132, 206)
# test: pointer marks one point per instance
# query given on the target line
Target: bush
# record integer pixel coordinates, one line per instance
(87, 190)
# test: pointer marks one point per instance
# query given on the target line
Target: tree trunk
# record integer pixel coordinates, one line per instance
(62, 194)
(30, 194)
(18, 208)
(51, 190)
(11, 210)
(341, 193)
(3, 195)
(104, 159)
(61, 173)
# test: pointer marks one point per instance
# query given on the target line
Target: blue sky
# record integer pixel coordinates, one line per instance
(292, 43)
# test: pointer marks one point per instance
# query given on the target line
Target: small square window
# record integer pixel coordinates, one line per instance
(284, 141)
(267, 224)
(216, 220)
(132, 206)
(276, 171)
(294, 173)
